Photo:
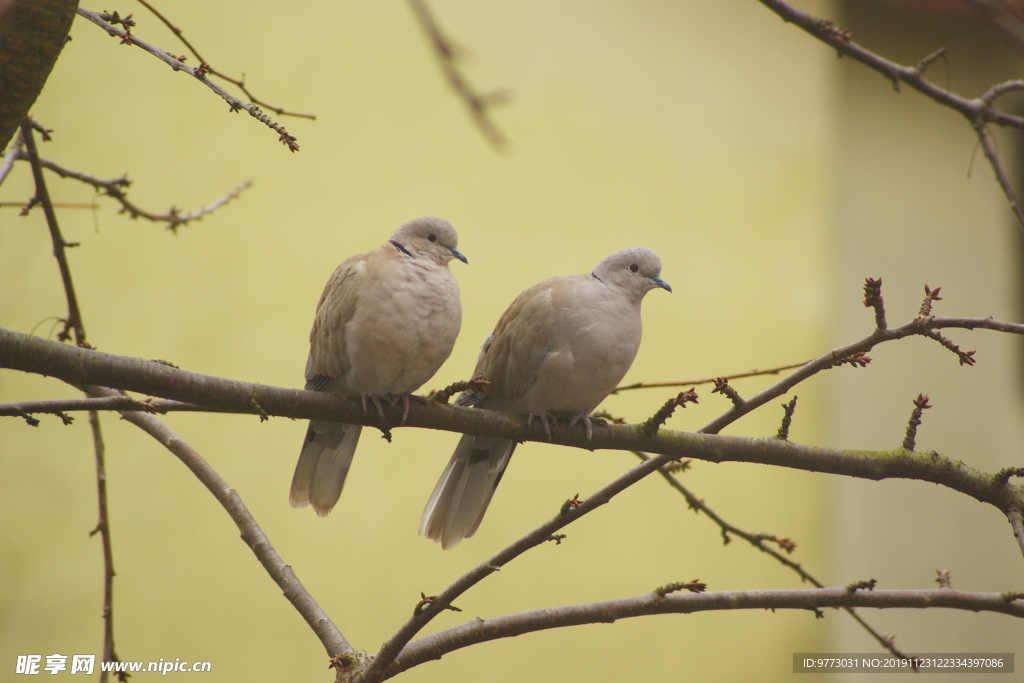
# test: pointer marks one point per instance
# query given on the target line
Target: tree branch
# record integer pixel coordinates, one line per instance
(117, 189)
(333, 641)
(75, 324)
(103, 528)
(479, 105)
(482, 630)
(708, 380)
(82, 367)
(119, 403)
(568, 514)
(758, 541)
(978, 111)
(1016, 518)
(199, 73)
(238, 82)
(74, 319)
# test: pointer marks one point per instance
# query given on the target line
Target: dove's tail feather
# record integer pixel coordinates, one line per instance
(464, 490)
(323, 465)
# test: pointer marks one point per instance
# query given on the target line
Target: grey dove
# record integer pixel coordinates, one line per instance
(386, 321)
(557, 351)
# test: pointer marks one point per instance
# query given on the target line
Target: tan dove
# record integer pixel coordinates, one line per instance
(385, 323)
(558, 351)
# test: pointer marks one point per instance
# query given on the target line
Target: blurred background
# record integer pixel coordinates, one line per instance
(771, 178)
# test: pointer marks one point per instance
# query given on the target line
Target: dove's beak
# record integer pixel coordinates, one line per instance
(459, 255)
(661, 283)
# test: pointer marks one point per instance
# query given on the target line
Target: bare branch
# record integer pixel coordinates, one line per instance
(74, 319)
(116, 188)
(435, 646)
(919, 326)
(979, 112)
(74, 324)
(199, 73)
(238, 82)
(985, 138)
(84, 367)
(120, 403)
(479, 105)
(873, 299)
(103, 528)
(759, 541)
(654, 422)
(708, 380)
(787, 419)
(920, 405)
(333, 641)
(545, 532)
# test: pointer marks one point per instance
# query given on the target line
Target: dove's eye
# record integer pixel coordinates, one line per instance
(633, 268)
(432, 237)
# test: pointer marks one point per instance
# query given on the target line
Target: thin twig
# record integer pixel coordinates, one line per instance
(708, 380)
(917, 327)
(479, 105)
(103, 528)
(787, 419)
(239, 82)
(74, 324)
(920, 405)
(437, 645)
(116, 188)
(568, 514)
(985, 138)
(120, 402)
(758, 541)
(199, 73)
(978, 111)
(331, 638)
(56, 205)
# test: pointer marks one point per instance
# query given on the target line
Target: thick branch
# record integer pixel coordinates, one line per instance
(826, 32)
(281, 573)
(482, 630)
(83, 367)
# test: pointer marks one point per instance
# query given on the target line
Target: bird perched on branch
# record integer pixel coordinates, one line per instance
(386, 321)
(558, 351)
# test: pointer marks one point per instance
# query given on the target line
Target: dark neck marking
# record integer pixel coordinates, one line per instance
(401, 248)
(598, 279)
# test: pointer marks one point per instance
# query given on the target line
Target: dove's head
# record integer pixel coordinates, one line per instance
(634, 271)
(428, 238)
